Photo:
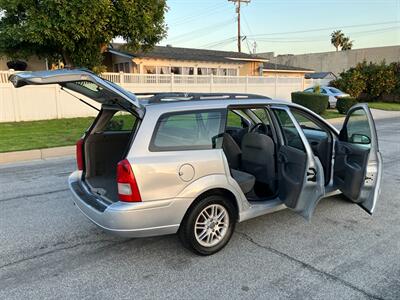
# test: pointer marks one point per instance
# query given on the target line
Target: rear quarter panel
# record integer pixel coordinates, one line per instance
(157, 173)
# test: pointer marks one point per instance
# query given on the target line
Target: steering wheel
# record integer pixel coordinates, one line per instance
(259, 127)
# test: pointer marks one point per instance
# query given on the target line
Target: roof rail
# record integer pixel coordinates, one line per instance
(172, 96)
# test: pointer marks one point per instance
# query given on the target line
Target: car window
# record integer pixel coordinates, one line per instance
(357, 128)
(188, 131)
(121, 121)
(306, 122)
(290, 133)
(234, 120)
(323, 91)
(311, 129)
(335, 91)
(262, 114)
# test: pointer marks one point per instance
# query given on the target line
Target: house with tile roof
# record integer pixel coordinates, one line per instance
(183, 61)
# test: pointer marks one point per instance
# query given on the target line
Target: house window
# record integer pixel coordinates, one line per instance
(231, 72)
(201, 71)
(122, 67)
(163, 70)
(149, 70)
(127, 68)
(213, 71)
(187, 71)
(176, 70)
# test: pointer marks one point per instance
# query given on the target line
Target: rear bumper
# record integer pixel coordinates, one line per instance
(138, 219)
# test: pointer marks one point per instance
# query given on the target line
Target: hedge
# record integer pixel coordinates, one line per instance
(316, 102)
(344, 104)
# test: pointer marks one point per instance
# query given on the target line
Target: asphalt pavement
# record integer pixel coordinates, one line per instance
(48, 249)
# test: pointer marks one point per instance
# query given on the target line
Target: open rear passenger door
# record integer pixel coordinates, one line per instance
(301, 175)
(358, 162)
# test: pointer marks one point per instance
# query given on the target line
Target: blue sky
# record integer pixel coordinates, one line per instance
(282, 26)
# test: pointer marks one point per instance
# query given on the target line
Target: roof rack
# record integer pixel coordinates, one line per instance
(172, 96)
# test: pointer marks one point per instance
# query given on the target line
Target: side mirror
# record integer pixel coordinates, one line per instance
(358, 138)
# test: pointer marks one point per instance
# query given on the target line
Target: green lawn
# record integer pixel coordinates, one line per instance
(41, 134)
(331, 114)
(384, 105)
(52, 133)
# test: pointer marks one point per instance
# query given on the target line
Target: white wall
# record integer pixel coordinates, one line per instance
(30, 103)
(337, 62)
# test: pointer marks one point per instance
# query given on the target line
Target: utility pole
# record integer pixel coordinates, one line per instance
(239, 38)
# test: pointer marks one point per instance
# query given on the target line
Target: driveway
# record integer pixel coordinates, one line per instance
(49, 250)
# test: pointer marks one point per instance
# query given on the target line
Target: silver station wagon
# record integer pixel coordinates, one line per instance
(195, 164)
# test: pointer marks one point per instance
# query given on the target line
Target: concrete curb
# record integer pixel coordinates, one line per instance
(36, 154)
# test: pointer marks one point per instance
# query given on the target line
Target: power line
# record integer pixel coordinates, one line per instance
(239, 38)
(219, 43)
(322, 29)
(323, 37)
(200, 31)
(189, 18)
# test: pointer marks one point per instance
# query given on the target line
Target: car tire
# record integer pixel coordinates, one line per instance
(208, 225)
(328, 106)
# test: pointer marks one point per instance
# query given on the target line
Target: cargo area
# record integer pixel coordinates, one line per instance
(106, 144)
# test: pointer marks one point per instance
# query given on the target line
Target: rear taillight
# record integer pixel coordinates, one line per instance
(128, 190)
(79, 154)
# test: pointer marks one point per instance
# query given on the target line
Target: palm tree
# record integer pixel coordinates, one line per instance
(346, 44)
(337, 38)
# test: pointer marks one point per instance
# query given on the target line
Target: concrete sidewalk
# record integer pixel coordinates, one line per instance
(42, 154)
(36, 154)
(378, 114)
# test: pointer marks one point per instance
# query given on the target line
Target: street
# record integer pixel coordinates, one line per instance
(50, 250)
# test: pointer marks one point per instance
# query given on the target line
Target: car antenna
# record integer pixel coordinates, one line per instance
(80, 99)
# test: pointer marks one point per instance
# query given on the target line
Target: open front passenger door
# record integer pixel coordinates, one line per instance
(358, 162)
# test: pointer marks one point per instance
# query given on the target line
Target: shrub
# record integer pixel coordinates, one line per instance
(316, 102)
(17, 65)
(343, 104)
(353, 81)
(370, 82)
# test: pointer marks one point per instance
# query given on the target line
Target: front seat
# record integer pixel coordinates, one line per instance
(258, 158)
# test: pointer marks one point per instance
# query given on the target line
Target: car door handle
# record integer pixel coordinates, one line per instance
(312, 175)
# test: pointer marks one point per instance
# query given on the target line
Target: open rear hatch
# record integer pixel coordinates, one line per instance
(108, 140)
(85, 83)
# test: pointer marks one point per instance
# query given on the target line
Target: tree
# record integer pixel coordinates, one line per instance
(337, 39)
(346, 44)
(78, 31)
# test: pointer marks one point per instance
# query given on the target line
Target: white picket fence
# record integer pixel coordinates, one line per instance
(49, 102)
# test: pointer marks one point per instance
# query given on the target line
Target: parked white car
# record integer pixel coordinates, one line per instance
(330, 91)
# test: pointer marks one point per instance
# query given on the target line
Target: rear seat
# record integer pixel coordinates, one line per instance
(245, 180)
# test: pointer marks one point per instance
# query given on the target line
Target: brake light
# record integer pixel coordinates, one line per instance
(128, 190)
(79, 154)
